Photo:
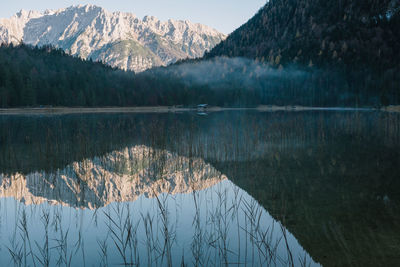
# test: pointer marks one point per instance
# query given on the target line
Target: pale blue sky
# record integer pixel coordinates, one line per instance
(223, 15)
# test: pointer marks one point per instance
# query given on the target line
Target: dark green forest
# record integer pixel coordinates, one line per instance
(334, 33)
(46, 76)
(308, 52)
(358, 40)
(33, 77)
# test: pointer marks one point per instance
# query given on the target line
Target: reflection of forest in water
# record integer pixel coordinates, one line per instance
(330, 177)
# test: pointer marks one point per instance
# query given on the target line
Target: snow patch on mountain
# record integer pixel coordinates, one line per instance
(120, 176)
(117, 38)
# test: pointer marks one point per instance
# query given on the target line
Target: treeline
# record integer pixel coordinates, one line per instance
(46, 76)
(355, 39)
(32, 77)
(247, 82)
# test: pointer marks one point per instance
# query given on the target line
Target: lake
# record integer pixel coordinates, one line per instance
(229, 188)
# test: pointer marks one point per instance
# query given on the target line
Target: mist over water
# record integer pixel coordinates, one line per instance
(246, 82)
(240, 72)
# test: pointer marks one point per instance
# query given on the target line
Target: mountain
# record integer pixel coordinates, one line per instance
(119, 176)
(319, 32)
(118, 39)
(309, 53)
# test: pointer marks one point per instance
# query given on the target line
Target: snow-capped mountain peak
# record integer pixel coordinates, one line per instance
(116, 38)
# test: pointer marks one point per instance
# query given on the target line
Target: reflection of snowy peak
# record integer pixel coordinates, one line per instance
(119, 176)
(118, 39)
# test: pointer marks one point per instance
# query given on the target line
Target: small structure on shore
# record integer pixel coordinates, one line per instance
(202, 106)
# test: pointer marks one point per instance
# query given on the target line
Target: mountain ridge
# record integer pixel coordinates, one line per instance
(91, 32)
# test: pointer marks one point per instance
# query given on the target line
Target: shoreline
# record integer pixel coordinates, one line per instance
(171, 109)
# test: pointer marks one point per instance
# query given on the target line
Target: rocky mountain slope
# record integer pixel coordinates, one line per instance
(119, 39)
(120, 176)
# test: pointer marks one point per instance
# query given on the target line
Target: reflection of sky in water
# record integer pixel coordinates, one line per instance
(213, 202)
(332, 175)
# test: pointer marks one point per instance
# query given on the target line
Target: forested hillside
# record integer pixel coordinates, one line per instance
(47, 76)
(358, 40)
(319, 32)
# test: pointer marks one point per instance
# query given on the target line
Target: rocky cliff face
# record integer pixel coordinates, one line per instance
(119, 39)
(120, 176)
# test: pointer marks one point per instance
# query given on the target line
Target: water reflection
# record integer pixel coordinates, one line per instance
(120, 176)
(227, 188)
(145, 206)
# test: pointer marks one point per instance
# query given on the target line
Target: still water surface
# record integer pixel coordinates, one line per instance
(313, 188)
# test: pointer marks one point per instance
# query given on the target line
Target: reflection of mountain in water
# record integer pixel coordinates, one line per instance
(119, 176)
(217, 226)
(331, 178)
